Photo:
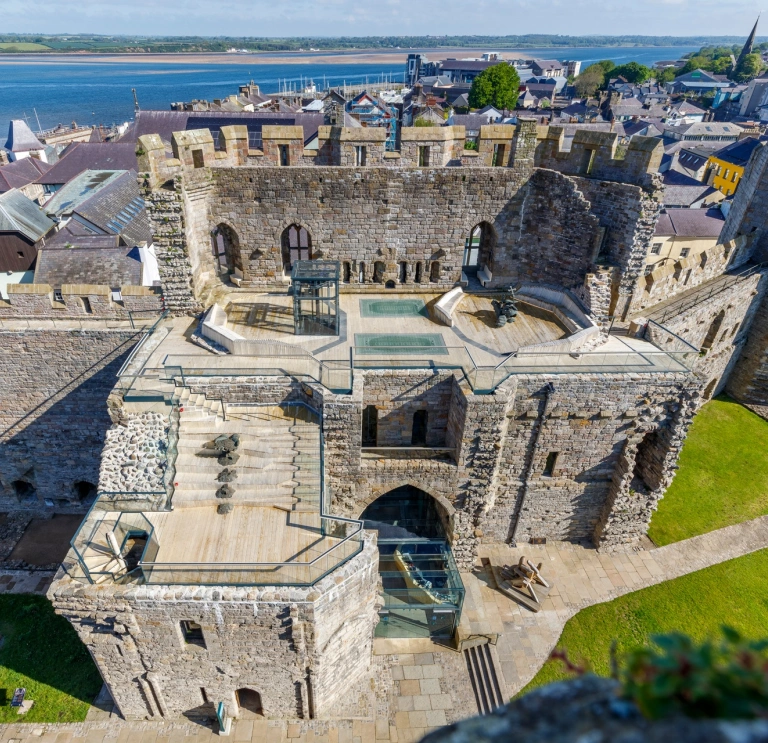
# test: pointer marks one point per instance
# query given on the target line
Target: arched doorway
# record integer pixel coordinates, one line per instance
(421, 586)
(478, 248)
(226, 250)
(295, 245)
(249, 704)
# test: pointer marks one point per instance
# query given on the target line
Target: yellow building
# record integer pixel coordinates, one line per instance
(726, 167)
(682, 233)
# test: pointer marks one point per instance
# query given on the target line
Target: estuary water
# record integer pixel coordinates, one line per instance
(90, 90)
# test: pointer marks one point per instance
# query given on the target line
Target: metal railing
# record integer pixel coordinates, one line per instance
(704, 292)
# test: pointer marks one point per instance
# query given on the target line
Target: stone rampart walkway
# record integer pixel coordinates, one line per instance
(426, 689)
(582, 577)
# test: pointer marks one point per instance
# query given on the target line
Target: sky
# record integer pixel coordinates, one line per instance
(382, 17)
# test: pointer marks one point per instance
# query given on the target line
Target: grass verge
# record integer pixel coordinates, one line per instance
(733, 593)
(42, 652)
(723, 475)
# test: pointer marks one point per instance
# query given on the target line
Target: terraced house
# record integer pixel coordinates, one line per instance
(370, 364)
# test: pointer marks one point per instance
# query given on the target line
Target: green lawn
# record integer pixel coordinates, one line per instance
(733, 593)
(41, 651)
(723, 475)
(23, 46)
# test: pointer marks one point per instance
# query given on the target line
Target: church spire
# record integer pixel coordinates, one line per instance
(747, 49)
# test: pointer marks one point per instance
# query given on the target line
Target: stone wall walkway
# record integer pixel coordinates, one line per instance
(583, 576)
(420, 690)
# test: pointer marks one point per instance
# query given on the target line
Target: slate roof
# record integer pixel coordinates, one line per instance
(68, 198)
(112, 267)
(20, 214)
(118, 209)
(165, 123)
(81, 156)
(468, 65)
(690, 223)
(739, 152)
(472, 122)
(21, 138)
(21, 173)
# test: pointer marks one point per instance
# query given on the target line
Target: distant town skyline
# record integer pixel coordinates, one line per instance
(382, 17)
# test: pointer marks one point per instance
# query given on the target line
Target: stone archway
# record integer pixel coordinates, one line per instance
(407, 510)
(479, 247)
(249, 704)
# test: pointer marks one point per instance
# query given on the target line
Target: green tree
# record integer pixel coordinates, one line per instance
(667, 75)
(632, 72)
(606, 66)
(748, 68)
(497, 86)
(588, 82)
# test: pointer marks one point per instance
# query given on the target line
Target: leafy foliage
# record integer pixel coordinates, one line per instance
(497, 86)
(667, 75)
(632, 72)
(726, 680)
(748, 68)
(589, 81)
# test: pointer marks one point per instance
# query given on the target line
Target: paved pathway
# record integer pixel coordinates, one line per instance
(582, 577)
(416, 691)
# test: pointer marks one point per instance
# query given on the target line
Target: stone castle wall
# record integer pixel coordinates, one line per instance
(749, 380)
(53, 409)
(301, 649)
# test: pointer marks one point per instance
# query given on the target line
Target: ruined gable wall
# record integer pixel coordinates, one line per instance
(53, 406)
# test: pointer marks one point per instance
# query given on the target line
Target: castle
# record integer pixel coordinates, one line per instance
(316, 460)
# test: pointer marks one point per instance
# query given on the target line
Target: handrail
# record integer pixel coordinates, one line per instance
(136, 348)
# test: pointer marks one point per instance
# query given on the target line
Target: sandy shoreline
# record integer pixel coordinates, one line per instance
(394, 56)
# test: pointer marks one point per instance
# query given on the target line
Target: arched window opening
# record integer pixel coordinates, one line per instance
(417, 273)
(25, 491)
(434, 272)
(378, 272)
(361, 274)
(296, 245)
(403, 272)
(249, 703)
(389, 284)
(419, 428)
(84, 490)
(226, 249)
(347, 272)
(478, 248)
(370, 425)
(714, 329)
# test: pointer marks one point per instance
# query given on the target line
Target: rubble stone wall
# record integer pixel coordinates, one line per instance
(53, 408)
(749, 380)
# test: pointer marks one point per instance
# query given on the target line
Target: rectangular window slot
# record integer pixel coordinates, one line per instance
(551, 464)
(423, 157)
(284, 155)
(192, 633)
(360, 155)
(198, 161)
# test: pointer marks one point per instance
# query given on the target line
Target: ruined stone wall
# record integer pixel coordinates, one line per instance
(627, 216)
(53, 408)
(398, 395)
(577, 427)
(749, 381)
(556, 235)
(301, 649)
(169, 213)
(748, 215)
(721, 321)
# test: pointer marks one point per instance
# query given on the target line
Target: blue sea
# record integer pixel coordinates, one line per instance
(58, 90)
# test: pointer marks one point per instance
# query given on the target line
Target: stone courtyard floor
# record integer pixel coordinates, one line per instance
(415, 685)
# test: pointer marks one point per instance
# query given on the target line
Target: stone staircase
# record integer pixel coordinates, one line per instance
(279, 455)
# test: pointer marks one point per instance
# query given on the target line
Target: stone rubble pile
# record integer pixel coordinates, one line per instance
(134, 456)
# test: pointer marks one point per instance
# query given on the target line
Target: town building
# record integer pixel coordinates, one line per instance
(682, 233)
(726, 166)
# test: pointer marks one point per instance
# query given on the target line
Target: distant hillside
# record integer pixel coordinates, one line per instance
(33, 43)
